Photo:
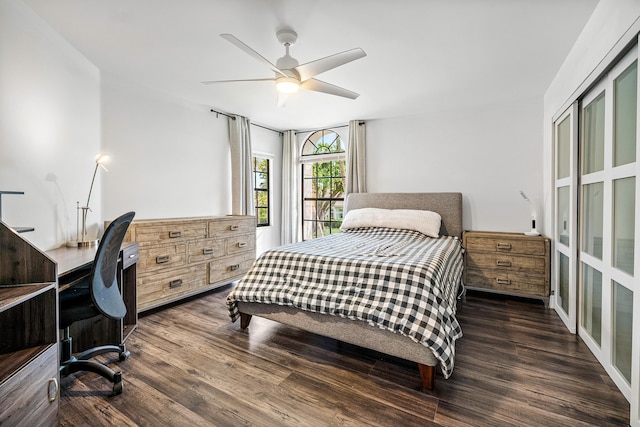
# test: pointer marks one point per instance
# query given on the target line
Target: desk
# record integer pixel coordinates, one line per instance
(100, 330)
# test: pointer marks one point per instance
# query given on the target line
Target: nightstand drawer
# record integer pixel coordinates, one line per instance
(506, 262)
(505, 244)
(514, 283)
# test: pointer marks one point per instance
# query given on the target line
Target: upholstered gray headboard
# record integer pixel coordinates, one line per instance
(448, 205)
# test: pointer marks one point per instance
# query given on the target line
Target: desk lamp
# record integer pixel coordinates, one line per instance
(81, 236)
(534, 231)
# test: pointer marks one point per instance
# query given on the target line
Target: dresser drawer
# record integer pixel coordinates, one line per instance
(232, 225)
(241, 244)
(169, 231)
(156, 289)
(477, 242)
(506, 262)
(230, 268)
(206, 250)
(507, 282)
(162, 257)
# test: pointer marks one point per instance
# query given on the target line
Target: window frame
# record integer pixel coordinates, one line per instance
(256, 190)
(310, 159)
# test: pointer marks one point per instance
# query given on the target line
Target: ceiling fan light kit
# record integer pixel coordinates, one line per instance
(287, 85)
(289, 76)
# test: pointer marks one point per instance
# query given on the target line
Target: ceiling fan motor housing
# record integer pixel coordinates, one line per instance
(287, 37)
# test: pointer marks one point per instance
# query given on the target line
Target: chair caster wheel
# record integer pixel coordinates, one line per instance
(118, 388)
(124, 355)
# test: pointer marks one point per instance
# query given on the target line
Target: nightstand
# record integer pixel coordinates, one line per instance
(507, 263)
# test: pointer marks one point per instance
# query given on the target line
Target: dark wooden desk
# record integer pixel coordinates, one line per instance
(99, 330)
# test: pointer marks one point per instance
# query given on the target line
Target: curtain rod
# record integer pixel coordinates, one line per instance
(328, 127)
(279, 131)
(251, 123)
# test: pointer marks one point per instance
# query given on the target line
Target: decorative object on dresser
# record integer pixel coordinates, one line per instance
(534, 230)
(181, 257)
(28, 345)
(507, 263)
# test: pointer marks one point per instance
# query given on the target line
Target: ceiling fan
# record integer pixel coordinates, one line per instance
(289, 76)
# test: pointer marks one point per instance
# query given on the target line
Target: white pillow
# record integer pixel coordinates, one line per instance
(426, 222)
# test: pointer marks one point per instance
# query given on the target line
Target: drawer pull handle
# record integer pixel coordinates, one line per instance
(132, 256)
(503, 263)
(235, 267)
(175, 283)
(163, 259)
(53, 389)
(234, 227)
(207, 251)
(503, 246)
(242, 244)
(503, 281)
(175, 234)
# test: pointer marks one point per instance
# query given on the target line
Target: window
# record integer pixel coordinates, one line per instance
(261, 168)
(323, 175)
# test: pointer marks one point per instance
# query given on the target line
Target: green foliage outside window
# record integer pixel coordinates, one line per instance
(323, 185)
(261, 190)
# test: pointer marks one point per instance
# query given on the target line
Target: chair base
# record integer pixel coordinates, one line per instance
(81, 362)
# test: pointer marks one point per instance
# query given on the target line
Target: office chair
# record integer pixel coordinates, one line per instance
(93, 294)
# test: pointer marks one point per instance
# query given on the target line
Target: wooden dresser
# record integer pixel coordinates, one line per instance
(185, 256)
(507, 263)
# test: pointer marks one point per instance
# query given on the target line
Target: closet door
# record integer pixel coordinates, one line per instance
(565, 230)
(608, 198)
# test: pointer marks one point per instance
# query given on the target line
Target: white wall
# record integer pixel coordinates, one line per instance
(269, 143)
(488, 154)
(49, 128)
(169, 158)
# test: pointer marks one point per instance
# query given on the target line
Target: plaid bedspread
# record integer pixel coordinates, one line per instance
(399, 280)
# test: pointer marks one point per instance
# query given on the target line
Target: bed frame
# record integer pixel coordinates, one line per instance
(449, 206)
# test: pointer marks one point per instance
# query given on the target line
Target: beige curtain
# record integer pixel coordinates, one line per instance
(356, 176)
(289, 230)
(241, 167)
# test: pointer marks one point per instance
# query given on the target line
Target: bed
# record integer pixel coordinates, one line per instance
(373, 302)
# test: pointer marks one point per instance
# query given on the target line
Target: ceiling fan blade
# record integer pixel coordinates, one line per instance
(231, 38)
(211, 82)
(320, 86)
(313, 68)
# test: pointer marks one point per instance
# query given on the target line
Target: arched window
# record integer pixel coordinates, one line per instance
(323, 174)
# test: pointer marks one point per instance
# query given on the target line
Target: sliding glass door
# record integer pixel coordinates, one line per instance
(596, 227)
(607, 224)
(565, 137)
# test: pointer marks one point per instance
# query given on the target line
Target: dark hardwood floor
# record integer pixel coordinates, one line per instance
(189, 365)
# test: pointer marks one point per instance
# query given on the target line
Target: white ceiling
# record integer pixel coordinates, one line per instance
(422, 55)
